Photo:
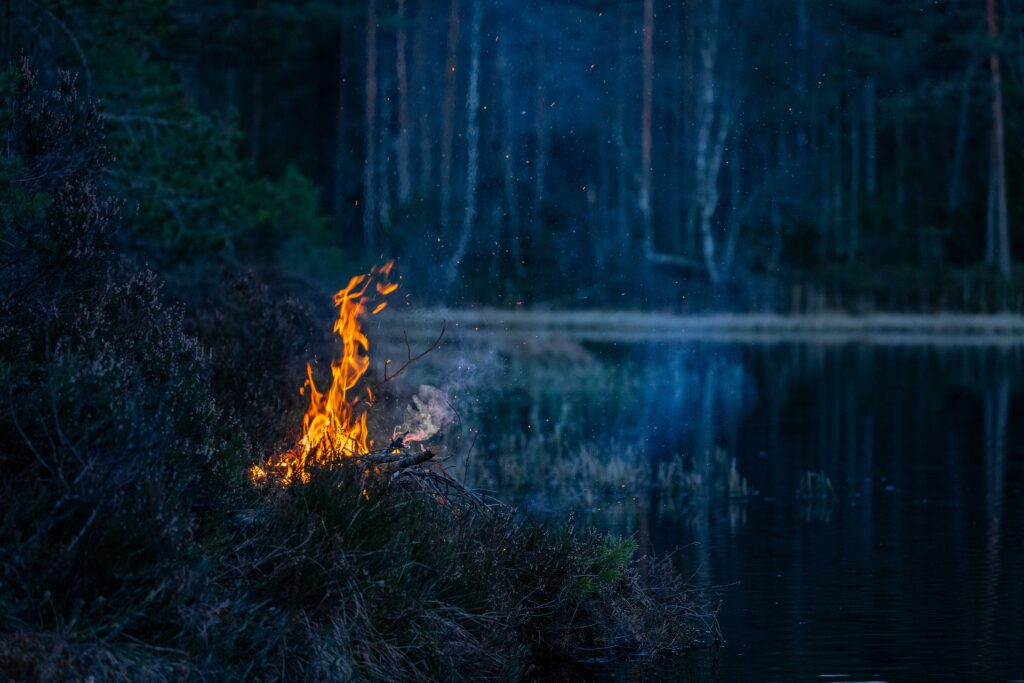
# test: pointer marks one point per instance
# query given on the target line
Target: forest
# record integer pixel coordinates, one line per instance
(684, 155)
(683, 288)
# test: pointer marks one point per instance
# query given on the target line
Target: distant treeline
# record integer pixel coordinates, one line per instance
(790, 155)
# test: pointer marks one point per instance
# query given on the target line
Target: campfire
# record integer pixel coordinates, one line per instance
(334, 427)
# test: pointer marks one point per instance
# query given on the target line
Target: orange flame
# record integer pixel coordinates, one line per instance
(333, 426)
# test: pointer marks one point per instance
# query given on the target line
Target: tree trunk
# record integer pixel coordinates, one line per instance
(710, 201)
(603, 242)
(676, 131)
(775, 215)
(687, 191)
(870, 136)
(853, 227)
(1000, 231)
(448, 114)
(508, 162)
(821, 154)
(990, 205)
(708, 155)
(736, 210)
(472, 144)
(644, 200)
(342, 153)
(956, 179)
(370, 161)
(384, 146)
(619, 134)
(901, 167)
(540, 123)
(424, 90)
(402, 144)
(837, 182)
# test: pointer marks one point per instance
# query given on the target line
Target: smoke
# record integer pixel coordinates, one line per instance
(427, 414)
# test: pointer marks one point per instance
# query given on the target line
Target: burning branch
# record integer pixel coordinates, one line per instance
(395, 459)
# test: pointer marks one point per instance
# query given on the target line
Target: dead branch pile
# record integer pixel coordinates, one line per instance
(415, 470)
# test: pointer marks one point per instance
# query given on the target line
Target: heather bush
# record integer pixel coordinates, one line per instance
(257, 333)
(133, 547)
(111, 440)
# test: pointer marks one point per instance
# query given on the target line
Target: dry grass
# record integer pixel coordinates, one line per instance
(133, 546)
(375, 578)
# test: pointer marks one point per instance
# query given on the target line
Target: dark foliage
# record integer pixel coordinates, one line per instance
(257, 332)
(111, 440)
(132, 547)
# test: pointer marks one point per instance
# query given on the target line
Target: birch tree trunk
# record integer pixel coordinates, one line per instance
(540, 123)
(999, 232)
(370, 160)
(676, 132)
(423, 89)
(472, 144)
(838, 215)
(990, 205)
(700, 159)
(708, 155)
(687, 191)
(402, 144)
(853, 229)
(738, 207)
(709, 204)
(619, 134)
(644, 199)
(870, 136)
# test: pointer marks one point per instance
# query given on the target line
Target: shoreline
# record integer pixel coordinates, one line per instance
(611, 325)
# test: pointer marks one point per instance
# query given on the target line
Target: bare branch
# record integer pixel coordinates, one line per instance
(410, 360)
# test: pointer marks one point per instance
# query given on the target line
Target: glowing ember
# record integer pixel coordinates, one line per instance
(334, 426)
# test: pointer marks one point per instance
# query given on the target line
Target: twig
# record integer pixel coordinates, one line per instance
(469, 455)
(88, 523)
(409, 359)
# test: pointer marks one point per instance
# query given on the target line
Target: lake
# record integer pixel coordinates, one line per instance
(857, 503)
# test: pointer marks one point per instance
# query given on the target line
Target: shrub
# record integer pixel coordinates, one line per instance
(131, 546)
(112, 443)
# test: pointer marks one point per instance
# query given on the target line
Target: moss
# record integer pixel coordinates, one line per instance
(608, 565)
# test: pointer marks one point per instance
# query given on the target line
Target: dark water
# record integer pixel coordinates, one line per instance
(913, 569)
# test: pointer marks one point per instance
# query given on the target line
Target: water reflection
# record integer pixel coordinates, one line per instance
(906, 566)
